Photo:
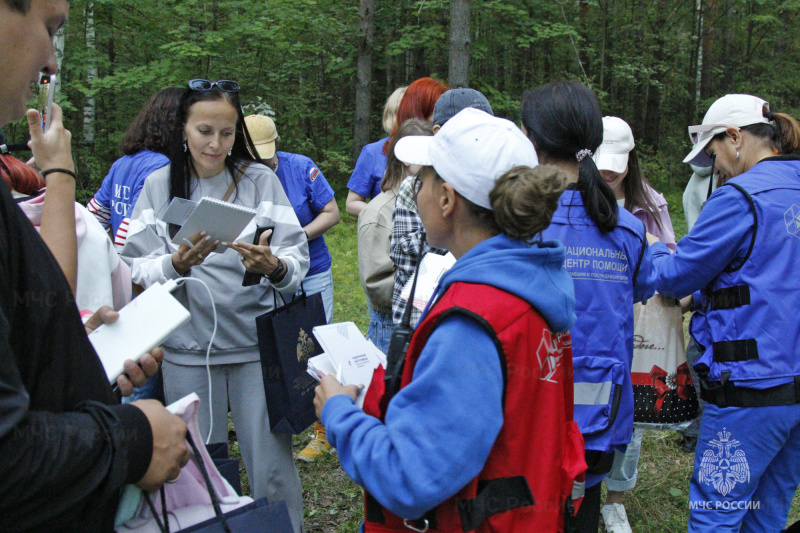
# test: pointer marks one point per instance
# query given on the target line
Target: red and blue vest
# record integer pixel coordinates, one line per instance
(529, 476)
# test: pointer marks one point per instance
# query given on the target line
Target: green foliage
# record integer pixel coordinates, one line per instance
(296, 60)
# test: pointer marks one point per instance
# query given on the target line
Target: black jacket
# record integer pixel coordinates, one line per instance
(66, 445)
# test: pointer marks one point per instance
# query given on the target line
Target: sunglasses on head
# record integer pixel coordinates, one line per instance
(229, 86)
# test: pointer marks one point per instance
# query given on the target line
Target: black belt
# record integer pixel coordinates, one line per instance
(729, 395)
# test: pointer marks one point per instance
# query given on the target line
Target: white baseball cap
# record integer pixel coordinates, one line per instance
(737, 110)
(471, 151)
(617, 143)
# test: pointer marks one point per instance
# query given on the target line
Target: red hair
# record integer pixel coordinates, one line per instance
(419, 101)
(19, 176)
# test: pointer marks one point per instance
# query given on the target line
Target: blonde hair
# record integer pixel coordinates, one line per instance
(390, 109)
(395, 171)
(524, 199)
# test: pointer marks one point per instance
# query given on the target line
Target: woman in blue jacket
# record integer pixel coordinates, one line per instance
(741, 257)
(610, 263)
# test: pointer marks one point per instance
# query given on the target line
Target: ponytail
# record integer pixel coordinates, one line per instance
(782, 132)
(598, 198)
(787, 133)
(564, 121)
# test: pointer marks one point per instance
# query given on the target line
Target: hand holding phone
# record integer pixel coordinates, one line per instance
(252, 278)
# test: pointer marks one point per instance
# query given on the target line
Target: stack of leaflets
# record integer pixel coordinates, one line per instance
(431, 271)
(347, 355)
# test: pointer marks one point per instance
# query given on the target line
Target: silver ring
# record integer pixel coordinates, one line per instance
(200, 255)
(174, 480)
(242, 259)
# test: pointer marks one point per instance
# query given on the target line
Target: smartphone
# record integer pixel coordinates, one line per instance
(51, 93)
(251, 278)
(41, 104)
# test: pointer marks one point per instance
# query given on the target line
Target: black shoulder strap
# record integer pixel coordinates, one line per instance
(755, 227)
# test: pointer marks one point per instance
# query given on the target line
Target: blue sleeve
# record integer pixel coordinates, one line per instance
(720, 236)
(645, 285)
(439, 429)
(319, 191)
(360, 181)
(103, 194)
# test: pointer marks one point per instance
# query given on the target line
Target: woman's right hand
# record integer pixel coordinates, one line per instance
(186, 257)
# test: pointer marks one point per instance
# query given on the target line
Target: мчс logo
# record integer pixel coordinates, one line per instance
(305, 346)
(725, 468)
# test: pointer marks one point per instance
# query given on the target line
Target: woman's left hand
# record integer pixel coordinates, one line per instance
(328, 388)
(257, 258)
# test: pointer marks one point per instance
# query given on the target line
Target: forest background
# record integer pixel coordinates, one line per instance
(323, 68)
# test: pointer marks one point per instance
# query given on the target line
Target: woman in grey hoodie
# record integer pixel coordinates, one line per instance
(210, 157)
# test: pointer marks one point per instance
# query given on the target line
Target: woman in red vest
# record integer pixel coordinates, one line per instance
(480, 434)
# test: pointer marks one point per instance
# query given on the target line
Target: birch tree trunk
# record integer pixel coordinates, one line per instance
(458, 75)
(366, 20)
(90, 105)
(59, 46)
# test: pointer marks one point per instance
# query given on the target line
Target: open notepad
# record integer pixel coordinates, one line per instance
(348, 356)
(224, 221)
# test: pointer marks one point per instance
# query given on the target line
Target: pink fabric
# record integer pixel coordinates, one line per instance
(188, 502)
(120, 276)
(666, 234)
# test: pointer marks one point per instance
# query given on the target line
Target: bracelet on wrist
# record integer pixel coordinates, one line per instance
(277, 273)
(68, 172)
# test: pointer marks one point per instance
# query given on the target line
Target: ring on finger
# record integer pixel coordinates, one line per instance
(242, 259)
(200, 255)
(174, 480)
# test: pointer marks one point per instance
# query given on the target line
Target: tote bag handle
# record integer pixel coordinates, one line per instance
(164, 527)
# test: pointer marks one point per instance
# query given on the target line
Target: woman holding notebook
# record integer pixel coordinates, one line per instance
(479, 436)
(209, 157)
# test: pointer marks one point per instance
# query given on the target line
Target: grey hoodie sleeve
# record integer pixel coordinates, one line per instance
(148, 250)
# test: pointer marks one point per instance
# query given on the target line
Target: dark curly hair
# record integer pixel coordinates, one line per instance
(152, 127)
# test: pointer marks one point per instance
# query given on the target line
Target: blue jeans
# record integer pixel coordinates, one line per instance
(380, 328)
(322, 282)
(625, 469)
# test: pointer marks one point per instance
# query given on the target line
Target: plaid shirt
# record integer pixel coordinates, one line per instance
(407, 233)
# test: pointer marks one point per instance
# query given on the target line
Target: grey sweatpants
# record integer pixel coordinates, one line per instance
(267, 456)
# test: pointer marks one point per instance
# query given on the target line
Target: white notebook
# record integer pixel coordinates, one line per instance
(143, 324)
(224, 221)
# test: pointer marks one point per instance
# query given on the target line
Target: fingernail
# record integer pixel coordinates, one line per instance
(203, 233)
(224, 243)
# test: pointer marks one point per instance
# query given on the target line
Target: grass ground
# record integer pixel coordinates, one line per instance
(333, 503)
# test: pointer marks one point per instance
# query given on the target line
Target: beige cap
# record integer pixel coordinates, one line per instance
(262, 131)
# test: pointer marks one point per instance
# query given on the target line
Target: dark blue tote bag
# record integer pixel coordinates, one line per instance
(259, 516)
(286, 342)
(228, 468)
